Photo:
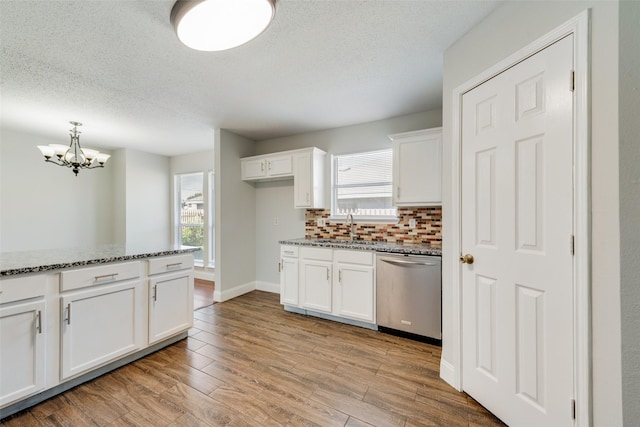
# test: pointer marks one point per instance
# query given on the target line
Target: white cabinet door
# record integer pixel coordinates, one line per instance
(22, 354)
(417, 169)
(98, 325)
(289, 281)
(253, 168)
(170, 304)
(279, 166)
(302, 184)
(315, 285)
(354, 292)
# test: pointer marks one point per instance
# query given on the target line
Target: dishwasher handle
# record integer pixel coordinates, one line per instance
(403, 263)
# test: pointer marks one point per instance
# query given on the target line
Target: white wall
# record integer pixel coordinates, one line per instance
(118, 166)
(148, 189)
(275, 200)
(510, 27)
(235, 218)
(630, 207)
(43, 206)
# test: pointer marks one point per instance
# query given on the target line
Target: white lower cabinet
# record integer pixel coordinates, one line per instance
(58, 326)
(170, 304)
(315, 279)
(99, 324)
(288, 275)
(354, 288)
(315, 285)
(336, 282)
(22, 354)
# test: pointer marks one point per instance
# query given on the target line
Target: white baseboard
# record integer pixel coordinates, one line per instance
(202, 274)
(448, 374)
(268, 287)
(227, 294)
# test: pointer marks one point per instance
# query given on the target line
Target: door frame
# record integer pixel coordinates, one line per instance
(452, 372)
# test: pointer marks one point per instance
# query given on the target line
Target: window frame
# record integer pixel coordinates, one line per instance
(208, 246)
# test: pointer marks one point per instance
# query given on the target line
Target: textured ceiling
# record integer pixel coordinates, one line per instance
(118, 67)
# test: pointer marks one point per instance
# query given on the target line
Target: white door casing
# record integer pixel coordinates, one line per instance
(517, 222)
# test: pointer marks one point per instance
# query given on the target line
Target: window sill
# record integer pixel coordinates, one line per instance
(364, 219)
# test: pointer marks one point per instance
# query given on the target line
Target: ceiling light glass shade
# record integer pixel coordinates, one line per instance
(215, 25)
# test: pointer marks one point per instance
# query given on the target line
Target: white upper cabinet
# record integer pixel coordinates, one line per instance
(279, 166)
(305, 166)
(253, 168)
(308, 182)
(417, 168)
(267, 167)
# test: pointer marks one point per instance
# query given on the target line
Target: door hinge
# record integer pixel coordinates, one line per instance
(573, 81)
(572, 244)
(573, 409)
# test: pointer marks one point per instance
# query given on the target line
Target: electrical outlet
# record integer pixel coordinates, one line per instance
(275, 220)
(412, 223)
(321, 222)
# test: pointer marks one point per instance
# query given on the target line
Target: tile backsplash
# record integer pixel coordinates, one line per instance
(428, 227)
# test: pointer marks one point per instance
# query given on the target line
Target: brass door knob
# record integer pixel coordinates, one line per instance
(466, 259)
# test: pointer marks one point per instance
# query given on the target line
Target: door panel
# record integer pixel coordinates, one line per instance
(517, 221)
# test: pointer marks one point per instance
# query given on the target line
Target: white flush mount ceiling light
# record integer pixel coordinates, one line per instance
(214, 25)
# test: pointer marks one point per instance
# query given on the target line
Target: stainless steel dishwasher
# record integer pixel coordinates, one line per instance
(409, 295)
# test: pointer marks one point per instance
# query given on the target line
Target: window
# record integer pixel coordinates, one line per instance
(194, 215)
(362, 184)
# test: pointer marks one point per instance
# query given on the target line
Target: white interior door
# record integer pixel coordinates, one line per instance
(517, 192)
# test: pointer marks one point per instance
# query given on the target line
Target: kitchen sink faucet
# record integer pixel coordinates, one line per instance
(352, 233)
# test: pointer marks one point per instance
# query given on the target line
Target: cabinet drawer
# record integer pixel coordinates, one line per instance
(23, 287)
(354, 257)
(91, 276)
(289, 251)
(170, 263)
(316, 253)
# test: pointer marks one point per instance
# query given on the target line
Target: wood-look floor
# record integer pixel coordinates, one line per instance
(247, 362)
(202, 293)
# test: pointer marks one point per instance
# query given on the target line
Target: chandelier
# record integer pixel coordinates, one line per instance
(215, 25)
(73, 156)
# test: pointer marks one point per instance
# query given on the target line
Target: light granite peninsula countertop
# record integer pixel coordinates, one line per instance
(368, 245)
(23, 262)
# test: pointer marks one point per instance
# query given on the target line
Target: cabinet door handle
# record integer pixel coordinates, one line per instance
(174, 265)
(398, 191)
(307, 197)
(262, 167)
(68, 319)
(155, 293)
(39, 326)
(269, 162)
(340, 276)
(280, 266)
(104, 276)
(328, 274)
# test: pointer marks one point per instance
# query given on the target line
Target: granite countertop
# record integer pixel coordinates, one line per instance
(23, 262)
(365, 245)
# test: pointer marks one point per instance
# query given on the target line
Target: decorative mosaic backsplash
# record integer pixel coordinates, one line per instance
(428, 227)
